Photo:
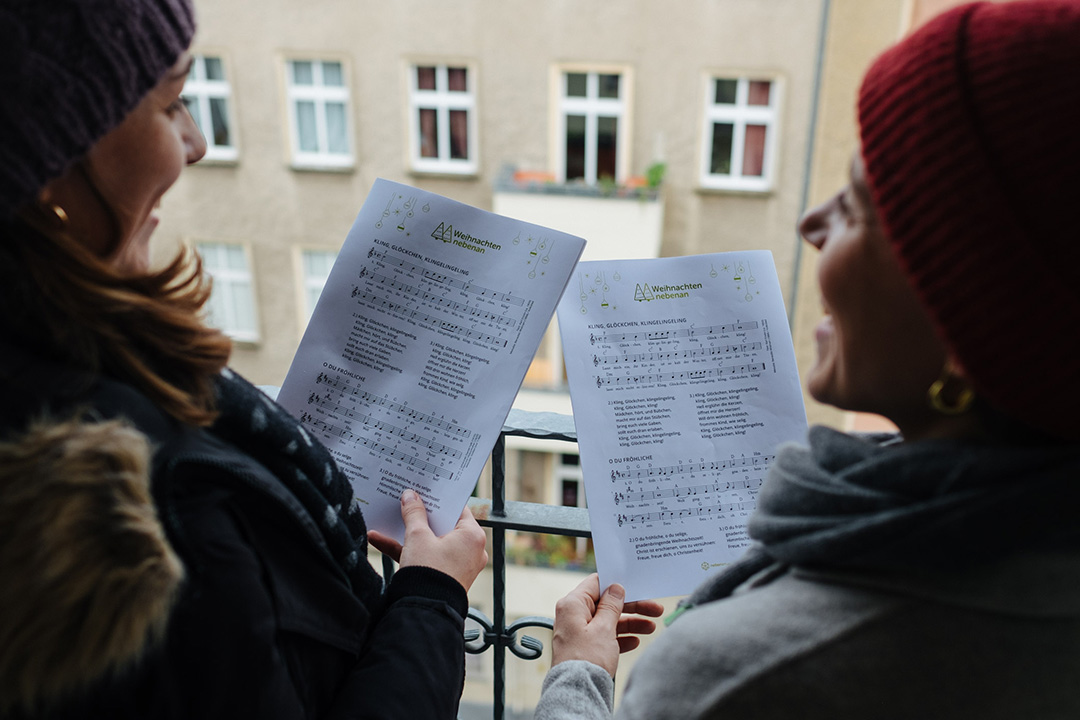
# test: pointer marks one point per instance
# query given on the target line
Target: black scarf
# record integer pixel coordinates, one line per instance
(866, 502)
(263, 429)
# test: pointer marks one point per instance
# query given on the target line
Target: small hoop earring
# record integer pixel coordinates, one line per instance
(936, 395)
(59, 213)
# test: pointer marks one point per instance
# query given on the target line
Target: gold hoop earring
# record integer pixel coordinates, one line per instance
(59, 213)
(936, 395)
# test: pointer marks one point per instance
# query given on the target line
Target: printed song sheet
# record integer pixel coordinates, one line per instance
(421, 337)
(683, 382)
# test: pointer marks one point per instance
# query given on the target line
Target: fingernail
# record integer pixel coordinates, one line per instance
(408, 496)
(617, 591)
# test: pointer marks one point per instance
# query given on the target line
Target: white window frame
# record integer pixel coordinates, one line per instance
(740, 114)
(320, 95)
(202, 90)
(223, 277)
(442, 101)
(592, 106)
(307, 283)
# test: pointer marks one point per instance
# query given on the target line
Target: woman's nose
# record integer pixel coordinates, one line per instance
(812, 225)
(193, 140)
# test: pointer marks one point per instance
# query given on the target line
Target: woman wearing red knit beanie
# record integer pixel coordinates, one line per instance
(172, 542)
(934, 573)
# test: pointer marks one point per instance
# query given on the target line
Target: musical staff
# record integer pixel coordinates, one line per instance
(339, 383)
(613, 360)
(674, 334)
(755, 461)
(464, 308)
(629, 380)
(685, 513)
(399, 261)
(404, 313)
(691, 491)
(326, 403)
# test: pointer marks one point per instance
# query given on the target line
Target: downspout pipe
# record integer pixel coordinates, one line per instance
(808, 164)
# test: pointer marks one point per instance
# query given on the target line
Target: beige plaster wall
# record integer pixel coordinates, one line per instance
(512, 45)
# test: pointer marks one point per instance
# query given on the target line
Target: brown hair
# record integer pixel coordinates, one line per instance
(147, 330)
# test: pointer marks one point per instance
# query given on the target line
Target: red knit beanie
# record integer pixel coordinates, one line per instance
(71, 71)
(970, 134)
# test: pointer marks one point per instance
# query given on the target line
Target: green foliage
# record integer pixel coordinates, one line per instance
(654, 174)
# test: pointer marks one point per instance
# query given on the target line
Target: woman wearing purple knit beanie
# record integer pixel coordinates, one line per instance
(934, 573)
(172, 543)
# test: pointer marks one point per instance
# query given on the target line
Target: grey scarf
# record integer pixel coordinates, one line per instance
(862, 502)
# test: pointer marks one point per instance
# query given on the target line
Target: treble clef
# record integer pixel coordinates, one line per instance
(371, 252)
(595, 361)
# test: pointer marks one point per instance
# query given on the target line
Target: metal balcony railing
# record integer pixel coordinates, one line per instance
(501, 515)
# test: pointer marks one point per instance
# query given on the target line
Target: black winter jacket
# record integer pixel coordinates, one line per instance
(265, 624)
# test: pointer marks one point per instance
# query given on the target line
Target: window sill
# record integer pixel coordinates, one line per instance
(744, 192)
(317, 168)
(470, 176)
(218, 162)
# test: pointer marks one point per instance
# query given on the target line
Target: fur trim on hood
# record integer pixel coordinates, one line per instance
(87, 577)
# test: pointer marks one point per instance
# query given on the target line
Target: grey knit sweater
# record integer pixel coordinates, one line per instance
(997, 642)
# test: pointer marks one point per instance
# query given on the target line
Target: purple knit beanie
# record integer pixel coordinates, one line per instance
(970, 134)
(71, 71)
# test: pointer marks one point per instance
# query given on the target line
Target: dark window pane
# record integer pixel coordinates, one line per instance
(425, 78)
(214, 70)
(575, 147)
(753, 164)
(609, 86)
(429, 133)
(725, 92)
(457, 79)
(575, 85)
(570, 493)
(220, 122)
(759, 93)
(606, 140)
(459, 135)
(570, 459)
(720, 162)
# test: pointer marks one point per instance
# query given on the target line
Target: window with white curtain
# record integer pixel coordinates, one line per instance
(740, 133)
(442, 119)
(315, 268)
(207, 95)
(232, 301)
(592, 120)
(319, 114)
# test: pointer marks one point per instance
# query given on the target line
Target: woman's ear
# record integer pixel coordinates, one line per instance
(80, 210)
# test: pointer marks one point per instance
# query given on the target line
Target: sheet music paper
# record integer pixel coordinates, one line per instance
(683, 382)
(423, 333)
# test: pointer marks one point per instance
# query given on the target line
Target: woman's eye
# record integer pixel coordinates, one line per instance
(177, 106)
(842, 202)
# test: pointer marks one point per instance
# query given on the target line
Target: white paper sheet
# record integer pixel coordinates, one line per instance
(683, 382)
(420, 340)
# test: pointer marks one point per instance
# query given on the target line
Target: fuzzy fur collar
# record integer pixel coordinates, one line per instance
(87, 577)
